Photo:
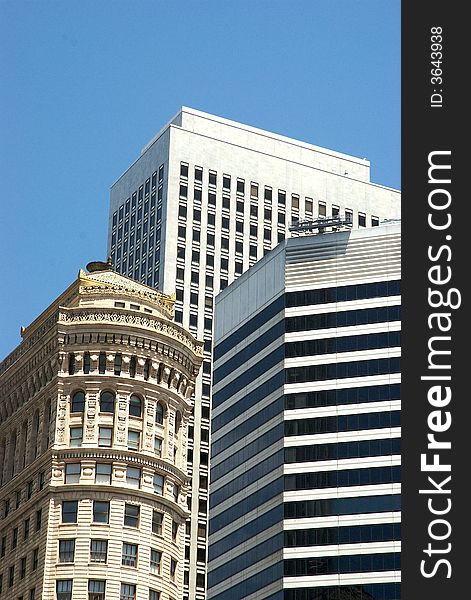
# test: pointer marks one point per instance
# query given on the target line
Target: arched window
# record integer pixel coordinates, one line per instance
(24, 443)
(107, 402)
(135, 406)
(132, 366)
(13, 439)
(78, 402)
(159, 414)
(3, 449)
(35, 431)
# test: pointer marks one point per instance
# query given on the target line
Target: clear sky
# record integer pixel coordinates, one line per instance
(85, 84)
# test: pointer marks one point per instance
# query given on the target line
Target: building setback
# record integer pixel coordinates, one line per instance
(305, 447)
(94, 411)
(205, 200)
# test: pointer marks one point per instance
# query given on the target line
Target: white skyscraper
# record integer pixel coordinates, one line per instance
(206, 199)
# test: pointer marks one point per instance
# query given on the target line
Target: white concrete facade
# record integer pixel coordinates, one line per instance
(220, 195)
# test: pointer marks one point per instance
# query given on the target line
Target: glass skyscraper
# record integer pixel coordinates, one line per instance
(305, 448)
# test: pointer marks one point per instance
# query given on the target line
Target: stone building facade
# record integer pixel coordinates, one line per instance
(94, 410)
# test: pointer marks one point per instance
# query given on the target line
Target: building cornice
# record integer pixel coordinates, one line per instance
(132, 319)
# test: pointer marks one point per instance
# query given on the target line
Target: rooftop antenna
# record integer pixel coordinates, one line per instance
(319, 225)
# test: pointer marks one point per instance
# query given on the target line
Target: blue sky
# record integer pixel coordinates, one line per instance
(85, 85)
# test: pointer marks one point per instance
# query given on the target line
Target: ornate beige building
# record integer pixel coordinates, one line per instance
(94, 410)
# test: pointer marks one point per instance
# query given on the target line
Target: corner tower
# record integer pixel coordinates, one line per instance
(94, 409)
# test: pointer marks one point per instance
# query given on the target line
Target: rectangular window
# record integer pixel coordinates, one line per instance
(96, 589)
(42, 480)
(176, 489)
(14, 541)
(133, 440)
(154, 595)
(29, 489)
(39, 514)
(335, 211)
(64, 589)
(32, 594)
(295, 201)
(105, 436)
(158, 484)
(3, 546)
(129, 555)
(128, 591)
(23, 567)
(226, 182)
(374, 222)
(268, 194)
(76, 437)
(18, 499)
(72, 473)
(349, 215)
(131, 515)
(98, 551)
(211, 202)
(155, 559)
(66, 551)
(35, 559)
(133, 477)
(174, 530)
(361, 220)
(103, 473)
(212, 178)
(158, 446)
(183, 170)
(26, 529)
(157, 520)
(173, 568)
(11, 576)
(322, 209)
(254, 190)
(198, 174)
(101, 511)
(308, 205)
